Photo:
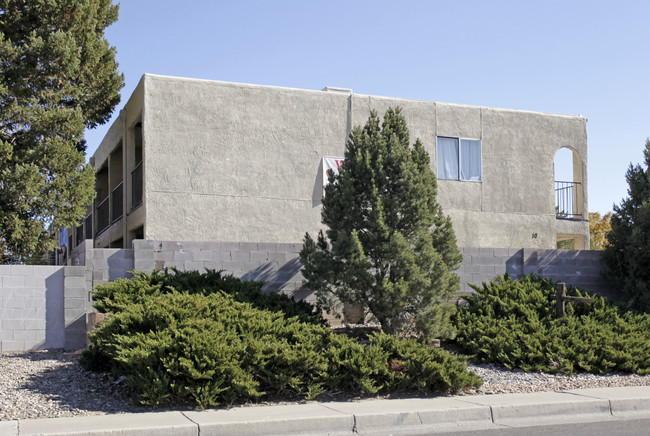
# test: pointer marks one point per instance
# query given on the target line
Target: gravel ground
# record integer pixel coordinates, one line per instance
(49, 384)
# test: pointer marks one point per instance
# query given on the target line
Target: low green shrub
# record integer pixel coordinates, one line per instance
(115, 296)
(513, 323)
(211, 349)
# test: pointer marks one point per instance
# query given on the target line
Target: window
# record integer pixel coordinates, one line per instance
(458, 159)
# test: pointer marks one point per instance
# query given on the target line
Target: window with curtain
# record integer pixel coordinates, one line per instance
(458, 159)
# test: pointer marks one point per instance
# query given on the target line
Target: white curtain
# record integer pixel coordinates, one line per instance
(447, 158)
(470, 153)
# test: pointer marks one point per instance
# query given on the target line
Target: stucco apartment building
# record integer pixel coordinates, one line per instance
(200, 160)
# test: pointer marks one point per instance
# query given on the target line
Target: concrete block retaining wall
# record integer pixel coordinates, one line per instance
(45, 306)
(575, 267)
(276, 264)
(42, 307)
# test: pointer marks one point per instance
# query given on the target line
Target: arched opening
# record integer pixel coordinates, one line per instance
(568, 184)
(569, 194)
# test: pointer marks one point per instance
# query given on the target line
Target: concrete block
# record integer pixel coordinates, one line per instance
(248, 246)
(204, 255)
(74, 310)
(14, 303)
(143, 254)
(210, 246)
(36, 282)
(13, 281)
(73, 271)
(35, 324)
(283, 247)
(80, 292)
(230, 246)
(487, 269)
(280, 258)
(74, 282)
(240, 256)
(191, 265)
(501, 252)
(267, 246)
(24, 335)
(259, 256)
(470, 251)
(6, 335)
(21, 270)
(12, 346)
(191, 246)
(163, 255)
(215, 265)
(139, 244)
(182, 254)
(171, 245)
(144, 265)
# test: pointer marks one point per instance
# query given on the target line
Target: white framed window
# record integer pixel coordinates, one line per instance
(459, 159)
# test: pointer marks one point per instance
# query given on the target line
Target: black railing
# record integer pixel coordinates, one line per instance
(116, 201)
(566, 200)
(136, 186)
(103, 220)
(89, 226)
(79, 234)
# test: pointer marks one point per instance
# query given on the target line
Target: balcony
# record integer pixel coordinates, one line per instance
(567, 200)
(136, 186)
(117, 196)
(102, 215)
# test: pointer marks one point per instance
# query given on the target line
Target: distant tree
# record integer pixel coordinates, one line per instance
(389, 246)
(599, 227)
(58, 76)
(627, 256)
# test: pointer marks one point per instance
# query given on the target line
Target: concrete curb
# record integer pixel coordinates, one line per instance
(363, 417)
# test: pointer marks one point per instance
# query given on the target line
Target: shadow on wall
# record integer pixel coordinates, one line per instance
(580, 268)
(54, 311)
(283, 278)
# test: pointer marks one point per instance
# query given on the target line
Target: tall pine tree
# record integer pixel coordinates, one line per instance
(627, 255)
(389, 247)
(58, 76)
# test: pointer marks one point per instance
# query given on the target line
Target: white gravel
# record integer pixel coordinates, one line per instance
(48, 384)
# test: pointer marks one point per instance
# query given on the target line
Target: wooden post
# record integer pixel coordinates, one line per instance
(561, 297)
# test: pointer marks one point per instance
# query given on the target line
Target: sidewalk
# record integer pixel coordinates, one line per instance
(363, 417)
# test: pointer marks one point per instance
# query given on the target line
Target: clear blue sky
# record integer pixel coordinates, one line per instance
(570, 57)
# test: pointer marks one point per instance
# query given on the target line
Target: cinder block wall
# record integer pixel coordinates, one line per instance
(42, 307)
(575, 267)
(45, 306)
(276, 264)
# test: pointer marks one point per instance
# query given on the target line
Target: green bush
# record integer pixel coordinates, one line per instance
(115, 296)
(211, 349)
(513, 323)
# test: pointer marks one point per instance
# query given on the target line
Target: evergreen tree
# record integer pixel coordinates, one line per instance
(58, 76)
(627, 255)
(389, 247)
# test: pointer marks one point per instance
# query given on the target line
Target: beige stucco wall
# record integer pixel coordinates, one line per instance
(236, 162)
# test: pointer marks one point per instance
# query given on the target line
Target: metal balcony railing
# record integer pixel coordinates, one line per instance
(79, 234)
(103, 220)
(89, 226)
(117, 196)
(136, 186)
(566, 200)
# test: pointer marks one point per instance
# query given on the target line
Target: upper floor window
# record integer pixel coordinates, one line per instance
(458, 158)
